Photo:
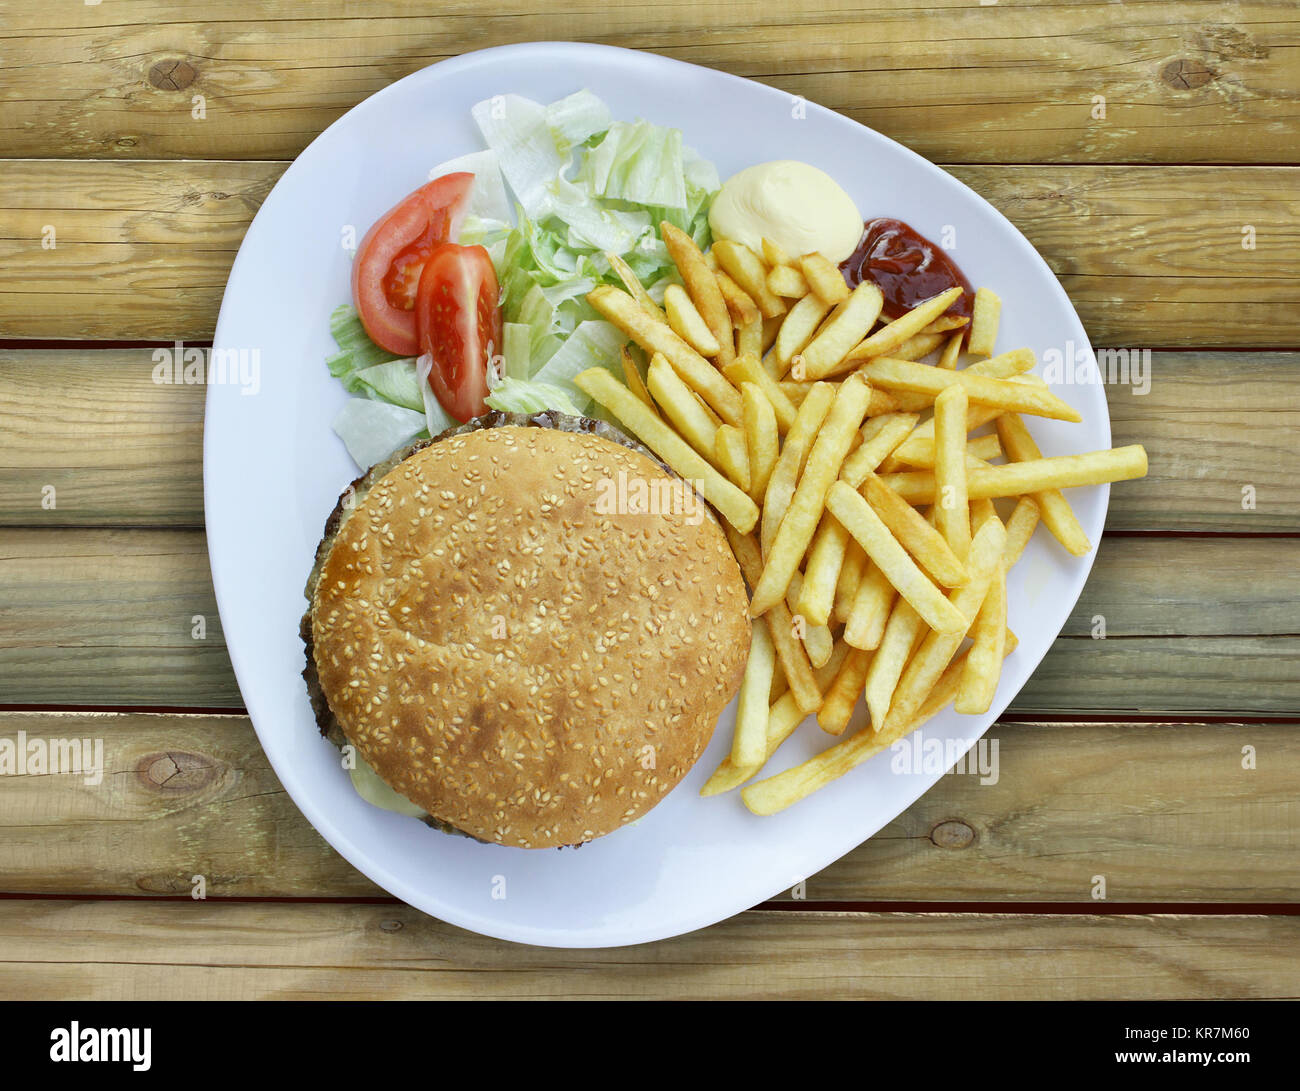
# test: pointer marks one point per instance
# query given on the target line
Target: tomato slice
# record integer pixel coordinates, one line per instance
(458, 318)
(386, 273)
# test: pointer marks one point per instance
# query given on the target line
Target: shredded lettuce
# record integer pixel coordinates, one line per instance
(530, 396)
(582, 191)
(373, 430)
(557, 188)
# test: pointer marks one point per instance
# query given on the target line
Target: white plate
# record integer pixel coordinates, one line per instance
(273, 470)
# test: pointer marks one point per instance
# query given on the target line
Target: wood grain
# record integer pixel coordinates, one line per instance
(122, 450)
(1164, 812)
(105, 617)
(1149, 255)
(957, 81)
(166, 950)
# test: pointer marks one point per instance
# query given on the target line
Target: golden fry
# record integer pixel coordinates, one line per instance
(801, 519)
(937, 650)
(761, 437)
(679, 404)
(892, 559)
(984, 324)
(888, 338)
(952, 506)
(621, 309)
(1057, 515)
(1018, 478)
(917, 378)
(824, 279)
(746, 269)
(737, 508)
(731, 454)
(702, 286)
(790, 462)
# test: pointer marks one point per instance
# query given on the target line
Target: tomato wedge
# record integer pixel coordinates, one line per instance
(458, 318)
(391, 257)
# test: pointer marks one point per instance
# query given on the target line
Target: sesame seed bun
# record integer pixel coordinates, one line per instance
(512, 649)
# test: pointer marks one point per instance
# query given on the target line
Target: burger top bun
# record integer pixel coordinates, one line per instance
(529, 632)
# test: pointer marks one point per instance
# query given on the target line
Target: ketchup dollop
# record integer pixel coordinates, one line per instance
(906, 266)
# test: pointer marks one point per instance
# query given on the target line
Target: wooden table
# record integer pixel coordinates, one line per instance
(1148, 150)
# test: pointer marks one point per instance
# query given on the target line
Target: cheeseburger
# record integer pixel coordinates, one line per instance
(524, 630)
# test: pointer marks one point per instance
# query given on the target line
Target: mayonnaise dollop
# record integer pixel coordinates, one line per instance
(800, 208)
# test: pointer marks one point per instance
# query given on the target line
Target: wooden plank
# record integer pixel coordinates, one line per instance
(105, 617)
(1220, 431)
(955, 80)
(1164, 812)
(117, 448)
(184, 950)
(143, 249)
(122, 450)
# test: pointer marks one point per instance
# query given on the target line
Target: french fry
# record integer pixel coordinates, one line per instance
(948, 358)
(947, 322)
(621, 309)
(687, 323)
(823, 466)
(784, 716)
(702, 286)
(886, 433)
(679, 404)
(818, 640)
(842, 694)
(790, 462)
(731, 455)
(902, 632)
(841, 331)
(790, 652)
(778, 792)
(981, 511)
(742, 309)
(892, 559)
(937, 650)
(749, 342)
(921, 453)
(824, 279)
(918, 448)
(917, 378)
(926, 544)
(635, 287)
(797, 330)
(1020, 528)
(952, 506)
(774, 254)
(749, 745)
(771, 328)
(822, 571)
(787, 281)
(635, 383)
(889, 337)
(1055, 510)
(984, 324)
(846, 587)
(1018, 478)
(869, 611)
(761, 437)
(735, 507)
(746, 269)
(1008, 365)
(745, 368)
(922, 344)
(983, 668)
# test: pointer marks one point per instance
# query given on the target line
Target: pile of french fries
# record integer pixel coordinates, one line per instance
(858, 503)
